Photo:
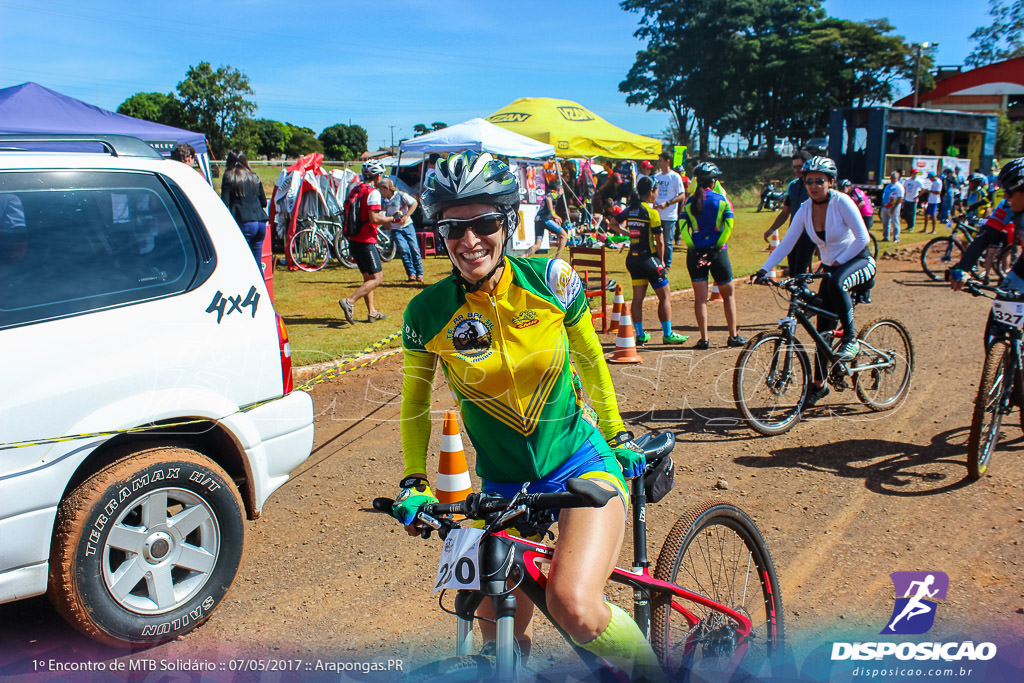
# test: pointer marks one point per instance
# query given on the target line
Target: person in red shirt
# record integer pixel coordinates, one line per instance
(363, 245)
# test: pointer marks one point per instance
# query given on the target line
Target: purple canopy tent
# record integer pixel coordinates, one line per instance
(31, 108)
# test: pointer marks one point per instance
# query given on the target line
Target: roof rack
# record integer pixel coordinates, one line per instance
(115, 145)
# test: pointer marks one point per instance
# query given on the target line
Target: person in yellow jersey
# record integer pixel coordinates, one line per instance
(503, 330)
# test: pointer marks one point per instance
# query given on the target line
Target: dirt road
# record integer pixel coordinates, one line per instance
(845, 498)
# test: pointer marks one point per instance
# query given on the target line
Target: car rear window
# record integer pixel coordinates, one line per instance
(83, 240)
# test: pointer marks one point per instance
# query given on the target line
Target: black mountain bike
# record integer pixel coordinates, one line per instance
(942, 253)
(773, 373)
(712, 607)
(1001, 377)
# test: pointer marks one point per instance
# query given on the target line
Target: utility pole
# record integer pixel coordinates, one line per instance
(917, 64)
(392, 135)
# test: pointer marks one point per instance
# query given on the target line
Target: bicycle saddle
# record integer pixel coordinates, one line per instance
(861, 294)
(656, 446)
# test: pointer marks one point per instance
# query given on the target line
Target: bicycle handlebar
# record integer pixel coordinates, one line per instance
(582, 493)
(975, 288)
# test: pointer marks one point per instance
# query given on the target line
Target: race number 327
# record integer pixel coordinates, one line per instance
(458, 566)
(1009, 312)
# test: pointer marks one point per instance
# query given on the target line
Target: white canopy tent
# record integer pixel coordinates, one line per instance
(481, 136)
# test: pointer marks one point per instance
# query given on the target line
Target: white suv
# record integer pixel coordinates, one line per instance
(146, 407)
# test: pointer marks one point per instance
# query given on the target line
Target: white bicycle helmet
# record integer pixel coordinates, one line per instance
(372, 169)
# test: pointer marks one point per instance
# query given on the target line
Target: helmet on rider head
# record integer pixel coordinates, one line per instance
(820, 165)
(707, 172)
(978, 178)
(1011, 176)
(845, 183)
(372, 169)
(472, 178)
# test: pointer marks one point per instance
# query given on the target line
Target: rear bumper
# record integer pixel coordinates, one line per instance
(285, 428)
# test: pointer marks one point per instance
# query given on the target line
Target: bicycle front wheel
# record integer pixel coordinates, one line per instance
(886, 343)
(988, 415)
(1005, 260)
(770, 382)
(386, 245)
(716, 550)
(939, 255)
(342, 251)
(309, 249)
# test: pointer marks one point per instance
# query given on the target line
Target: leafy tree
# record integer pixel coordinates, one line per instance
(1003, 38)
(214, 102)
(153, 106)
(343, 142)
(422, 129)
(271, 137)
(301, 141)
(1009, 136)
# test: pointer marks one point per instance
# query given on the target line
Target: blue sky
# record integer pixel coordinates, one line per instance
(377, 64)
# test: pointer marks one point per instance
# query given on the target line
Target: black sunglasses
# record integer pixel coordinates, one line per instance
(483, 225)
(815, 181)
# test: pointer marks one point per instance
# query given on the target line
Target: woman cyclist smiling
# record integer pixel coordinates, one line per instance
(504, 331)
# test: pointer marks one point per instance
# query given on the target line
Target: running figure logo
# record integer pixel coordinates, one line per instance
(916, 596)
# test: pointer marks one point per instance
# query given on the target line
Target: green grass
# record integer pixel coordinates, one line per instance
(309, 301)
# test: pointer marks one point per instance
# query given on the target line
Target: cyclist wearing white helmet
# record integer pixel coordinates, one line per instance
(504, 330)
(363, 245)
(1002, 225)
(833, 222)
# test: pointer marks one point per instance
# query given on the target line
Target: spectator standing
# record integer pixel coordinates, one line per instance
(242, 191)
(363, 245)
(892, 201)
(863, 202)
(646, 168)
(799, 259)
(912, 189)
(934, 187)
(671, 194)
(399, 207)
(547, 219)
(185, 153)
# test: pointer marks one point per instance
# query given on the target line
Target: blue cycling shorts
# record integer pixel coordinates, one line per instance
(587, 463)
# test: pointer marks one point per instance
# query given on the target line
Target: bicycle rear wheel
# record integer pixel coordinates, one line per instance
(309, 249)
(873, 246)
(884, 388)
(939, 255)
(716, 550)
(770, 382)
(984, 435)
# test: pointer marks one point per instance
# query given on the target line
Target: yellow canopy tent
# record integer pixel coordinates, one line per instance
(573, 130)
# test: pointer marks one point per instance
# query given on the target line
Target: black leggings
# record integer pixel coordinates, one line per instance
(835, 291)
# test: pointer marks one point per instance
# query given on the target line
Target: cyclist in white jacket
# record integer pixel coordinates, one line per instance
(833, 222)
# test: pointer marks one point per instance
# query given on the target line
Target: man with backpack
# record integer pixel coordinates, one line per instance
(362, 216)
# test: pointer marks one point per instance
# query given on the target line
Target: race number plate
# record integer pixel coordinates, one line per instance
(1009, 312)
(458, 566)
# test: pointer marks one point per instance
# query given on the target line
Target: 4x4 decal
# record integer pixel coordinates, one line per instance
(220, 302)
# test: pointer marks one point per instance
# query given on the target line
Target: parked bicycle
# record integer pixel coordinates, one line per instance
(318, 240)
(1001, 376)
(773, 372)
(942, 253)
(712, 605)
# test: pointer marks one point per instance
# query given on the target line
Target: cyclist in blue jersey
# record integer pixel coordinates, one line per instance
(1001, 226)
(708, 222)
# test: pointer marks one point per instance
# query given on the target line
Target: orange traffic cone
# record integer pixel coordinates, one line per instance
(618, 306)
(625, 343)
(715, 294)
(453, 482)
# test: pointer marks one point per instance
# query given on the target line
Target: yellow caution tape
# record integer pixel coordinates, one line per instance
(336, 371)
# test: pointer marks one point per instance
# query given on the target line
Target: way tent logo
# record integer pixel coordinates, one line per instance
(509, 117)
(575, 114)
(917, 594)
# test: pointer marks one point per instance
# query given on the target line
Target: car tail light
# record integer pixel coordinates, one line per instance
(286, 355)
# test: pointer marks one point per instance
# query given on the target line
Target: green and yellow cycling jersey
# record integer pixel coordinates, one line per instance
(506, 355)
